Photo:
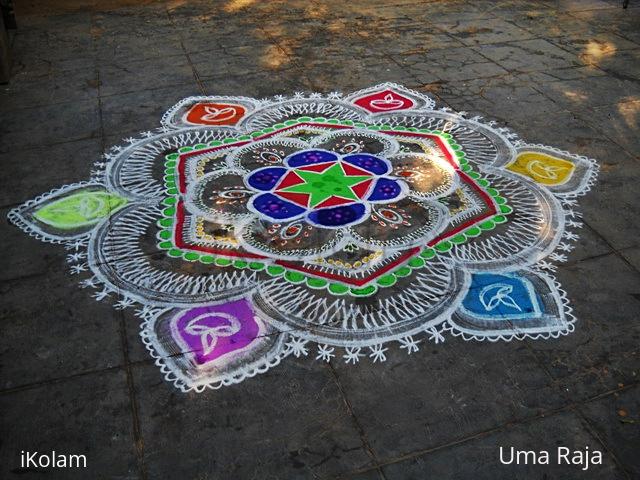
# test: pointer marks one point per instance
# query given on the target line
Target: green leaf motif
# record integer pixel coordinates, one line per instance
(79, 210)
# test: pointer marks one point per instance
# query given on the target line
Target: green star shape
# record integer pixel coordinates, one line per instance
(333, 181)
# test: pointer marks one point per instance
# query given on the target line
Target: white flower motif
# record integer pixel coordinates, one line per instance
(434, 335)
(565, 247)
(126, 302)
(377, 353)
(297, 347)
(570, 235)
(325, 353)
(146, 312)
(334, 95)
(352, 355)
(544, 265)
(89, 283)
(511, 136)
(130, 140)
(571, 223)
(76, 257)
(80, 267)
(147, 134)
(558, 257)
(101, 295)
(410, 344)
(75, 245)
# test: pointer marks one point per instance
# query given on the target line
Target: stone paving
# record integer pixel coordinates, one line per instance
(75, 376)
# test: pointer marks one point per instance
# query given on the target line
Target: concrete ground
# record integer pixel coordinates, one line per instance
(75, 377)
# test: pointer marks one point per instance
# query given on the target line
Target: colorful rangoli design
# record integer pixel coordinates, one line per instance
(244, 231)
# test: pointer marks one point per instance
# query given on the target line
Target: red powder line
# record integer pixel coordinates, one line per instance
(180, 243)
(180, 211)
(487, 200)
(436, 138)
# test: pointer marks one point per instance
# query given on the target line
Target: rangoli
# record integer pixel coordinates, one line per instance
(244, 231)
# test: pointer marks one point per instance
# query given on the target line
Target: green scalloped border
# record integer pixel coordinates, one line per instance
(389, 279)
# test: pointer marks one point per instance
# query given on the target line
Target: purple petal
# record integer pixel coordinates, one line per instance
(210, 332)
(368, 162)
(274, 207)
(309, 157)
(338, 216)
(385, 190)
(265, 178)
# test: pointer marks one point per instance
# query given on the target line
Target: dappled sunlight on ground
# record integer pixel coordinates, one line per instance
(317, 11)
(630, 111)
(237, 5)
(575, 96)
(595, 51)
(275, 57)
